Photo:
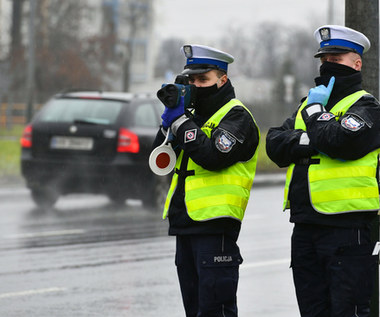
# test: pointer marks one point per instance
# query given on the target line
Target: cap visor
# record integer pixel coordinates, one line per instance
(333, 50)
(189, 71)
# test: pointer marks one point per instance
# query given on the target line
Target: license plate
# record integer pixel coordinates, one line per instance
(71, 143)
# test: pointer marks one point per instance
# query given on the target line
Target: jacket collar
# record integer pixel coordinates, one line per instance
(344, 86)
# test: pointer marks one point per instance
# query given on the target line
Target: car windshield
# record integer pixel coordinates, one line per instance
(91, 111)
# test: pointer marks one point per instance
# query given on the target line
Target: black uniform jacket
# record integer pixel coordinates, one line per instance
(243, 134)
(331, 137)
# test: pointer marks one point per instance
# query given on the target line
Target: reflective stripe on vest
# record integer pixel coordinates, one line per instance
(216, 194)
(337, 186)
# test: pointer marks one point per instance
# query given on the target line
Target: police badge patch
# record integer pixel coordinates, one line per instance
(352, 123)
(326, 116)
(190, 135)
(325, 34)
(224, 142)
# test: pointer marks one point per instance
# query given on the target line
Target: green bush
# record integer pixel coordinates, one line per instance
(14, 132)
(10, 157)
(10, 151)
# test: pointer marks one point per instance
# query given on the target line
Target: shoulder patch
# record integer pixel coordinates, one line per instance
(326, 116)
(190, 135)
(352, 123)
(224, 142)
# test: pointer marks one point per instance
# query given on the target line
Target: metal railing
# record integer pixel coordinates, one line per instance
(14, 114)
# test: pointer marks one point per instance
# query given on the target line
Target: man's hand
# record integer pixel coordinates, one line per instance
(171, 114)
(321, 93)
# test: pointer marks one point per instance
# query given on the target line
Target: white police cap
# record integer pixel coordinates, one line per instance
(201, 59)
(340, 39)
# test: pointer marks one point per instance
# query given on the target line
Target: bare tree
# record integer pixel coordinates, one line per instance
(60, 60)
(67, 55)
(17, 6)
(259, 52)
(17, 50)
(245, 55)
(136, 17)
(60, 48)
(169, 58)
(275, 52)
(301, 50)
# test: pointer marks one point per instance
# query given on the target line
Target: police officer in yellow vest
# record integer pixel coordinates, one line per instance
(330, 146)
(216, 145)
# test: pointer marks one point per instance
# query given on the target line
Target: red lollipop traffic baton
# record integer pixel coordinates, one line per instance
(162, 159)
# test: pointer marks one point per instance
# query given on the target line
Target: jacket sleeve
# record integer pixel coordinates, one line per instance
(235, 139)
(286, 145)
(352, 136)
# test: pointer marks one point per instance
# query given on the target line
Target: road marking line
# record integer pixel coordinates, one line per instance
(33, 292)
(264, 263)
(45, 234)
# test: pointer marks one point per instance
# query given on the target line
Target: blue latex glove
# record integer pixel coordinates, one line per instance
(321, 93)
(171, 114)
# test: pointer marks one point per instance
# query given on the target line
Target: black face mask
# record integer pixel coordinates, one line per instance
(337, 70)
(205, 99)
(205, 92)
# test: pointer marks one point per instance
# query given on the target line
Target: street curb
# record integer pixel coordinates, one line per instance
(269, 179)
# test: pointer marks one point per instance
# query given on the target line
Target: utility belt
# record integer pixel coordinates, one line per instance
(182, 171)
(184, 174)
(307, 161)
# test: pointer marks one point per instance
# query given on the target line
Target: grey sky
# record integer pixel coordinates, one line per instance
(198, 20)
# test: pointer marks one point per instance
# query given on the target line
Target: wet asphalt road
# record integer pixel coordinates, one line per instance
(87, 257)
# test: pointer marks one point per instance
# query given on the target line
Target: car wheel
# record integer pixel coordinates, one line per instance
(44, 197)
(157, 197)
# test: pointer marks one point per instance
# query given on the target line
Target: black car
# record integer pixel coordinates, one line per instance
(93, 142)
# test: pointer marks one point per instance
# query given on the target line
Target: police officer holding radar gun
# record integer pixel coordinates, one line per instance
(331, 146)
(215, 139)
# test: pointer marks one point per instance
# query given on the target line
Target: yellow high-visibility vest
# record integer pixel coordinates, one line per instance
(216, 194)
(337, 186)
